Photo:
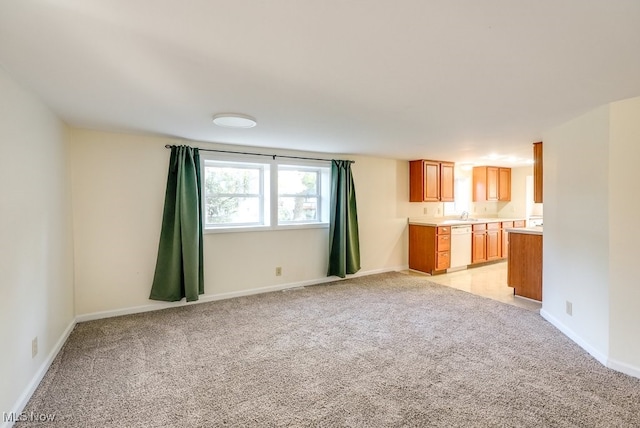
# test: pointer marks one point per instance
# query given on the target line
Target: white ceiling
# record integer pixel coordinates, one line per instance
(441, 79)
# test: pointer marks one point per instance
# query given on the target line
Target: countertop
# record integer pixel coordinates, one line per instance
(452, 222)
(535, 230)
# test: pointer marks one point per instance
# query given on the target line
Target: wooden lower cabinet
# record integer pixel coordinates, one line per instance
(524, 269)
(487, 242)
(429, 248)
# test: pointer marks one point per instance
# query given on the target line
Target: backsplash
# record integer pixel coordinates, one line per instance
(426, 209)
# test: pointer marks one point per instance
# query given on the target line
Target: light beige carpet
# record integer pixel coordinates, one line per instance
(382, 350)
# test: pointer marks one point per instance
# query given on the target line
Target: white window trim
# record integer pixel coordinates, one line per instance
(271, 223)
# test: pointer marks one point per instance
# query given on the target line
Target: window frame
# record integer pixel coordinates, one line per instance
(269, 191)
(263, 171)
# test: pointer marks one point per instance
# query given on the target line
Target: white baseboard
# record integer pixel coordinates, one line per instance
(611, 363)
(595, 353)
(37, 378)
(155, 306)
(625, 368)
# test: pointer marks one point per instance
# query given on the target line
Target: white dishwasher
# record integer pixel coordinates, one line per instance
(460, 247)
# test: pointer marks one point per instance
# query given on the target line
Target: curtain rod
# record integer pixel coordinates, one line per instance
(168, 146)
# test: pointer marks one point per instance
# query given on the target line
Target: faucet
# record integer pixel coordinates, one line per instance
(464, 216)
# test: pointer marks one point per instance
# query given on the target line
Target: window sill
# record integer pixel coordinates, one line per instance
(237, 229)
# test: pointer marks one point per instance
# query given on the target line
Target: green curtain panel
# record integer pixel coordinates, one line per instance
(344, 242)
(179, 269)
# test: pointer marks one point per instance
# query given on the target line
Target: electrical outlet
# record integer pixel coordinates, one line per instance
(278, 271)
(569, 308)
(425, 210)
(34, 347)
(438, 210)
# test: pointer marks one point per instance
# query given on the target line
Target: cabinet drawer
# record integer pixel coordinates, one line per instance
(507, 224)
(444, 243)
(444, 230)
(518, 223)
(442, 260)
(493, 226)
(479, 227)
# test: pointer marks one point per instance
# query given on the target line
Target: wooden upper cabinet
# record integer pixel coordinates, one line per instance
(537, 172)
(491, 183)
(431, 181)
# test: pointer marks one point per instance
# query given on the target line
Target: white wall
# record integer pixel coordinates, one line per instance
(517, 207)
(36, 264)
(576, 229)
(118, 186)
(624, 236)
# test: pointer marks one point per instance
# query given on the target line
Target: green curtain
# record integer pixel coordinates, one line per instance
(344, 242)
(179, 269)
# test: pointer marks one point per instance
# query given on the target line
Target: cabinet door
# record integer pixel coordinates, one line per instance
(431, 181)
(504, 184)
(492, 183)
(446, 182)
(479, 183)
(479, 247)
(493, 244)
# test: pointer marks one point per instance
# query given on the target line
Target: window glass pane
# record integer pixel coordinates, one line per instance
(233, 210)
(232, 180)
(297, 182)
(298, 195)
(297, 208)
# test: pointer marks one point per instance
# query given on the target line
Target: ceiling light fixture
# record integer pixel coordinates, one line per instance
(234, 120)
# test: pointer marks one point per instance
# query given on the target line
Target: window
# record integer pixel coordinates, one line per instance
(299, 198)
(462, 184)
(251, 194)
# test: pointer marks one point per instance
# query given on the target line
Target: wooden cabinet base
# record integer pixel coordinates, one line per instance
(429, 248)
(525, 265)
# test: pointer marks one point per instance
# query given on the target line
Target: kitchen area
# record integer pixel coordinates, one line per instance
(470, 219)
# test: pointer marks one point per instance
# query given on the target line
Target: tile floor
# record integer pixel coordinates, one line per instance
(488, 281)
